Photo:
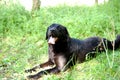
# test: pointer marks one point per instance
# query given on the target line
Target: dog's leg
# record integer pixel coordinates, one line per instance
(112, 44)
(45, 72)
(48, 63)
(117, 42)
(60, 62)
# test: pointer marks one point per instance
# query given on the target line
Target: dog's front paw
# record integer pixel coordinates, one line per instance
(30, 70)
(33, 77)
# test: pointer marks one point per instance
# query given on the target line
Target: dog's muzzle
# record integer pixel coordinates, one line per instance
(52, 40)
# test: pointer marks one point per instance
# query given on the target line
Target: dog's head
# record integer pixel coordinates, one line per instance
(56, 32)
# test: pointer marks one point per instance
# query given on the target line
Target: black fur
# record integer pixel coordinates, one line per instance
(67, 50)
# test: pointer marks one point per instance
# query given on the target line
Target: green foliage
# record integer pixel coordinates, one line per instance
(23, 44)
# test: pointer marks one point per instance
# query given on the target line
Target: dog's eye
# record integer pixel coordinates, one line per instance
(53, 36)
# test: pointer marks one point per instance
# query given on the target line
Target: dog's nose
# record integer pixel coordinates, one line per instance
(51, 40)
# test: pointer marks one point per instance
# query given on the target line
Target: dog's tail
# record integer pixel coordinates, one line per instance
(113, 45)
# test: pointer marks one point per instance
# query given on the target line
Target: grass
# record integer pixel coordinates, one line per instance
(23, 44)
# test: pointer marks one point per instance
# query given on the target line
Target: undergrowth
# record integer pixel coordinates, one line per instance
(23, 44)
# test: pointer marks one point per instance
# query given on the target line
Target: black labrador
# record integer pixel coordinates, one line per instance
(65, 51)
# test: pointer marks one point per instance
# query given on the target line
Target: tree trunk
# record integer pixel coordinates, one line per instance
(36, 5)
(96, 2)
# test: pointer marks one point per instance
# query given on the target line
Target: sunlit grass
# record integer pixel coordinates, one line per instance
(23, 44)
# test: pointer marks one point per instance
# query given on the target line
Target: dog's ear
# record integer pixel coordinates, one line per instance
(66, 32)
(47, 34)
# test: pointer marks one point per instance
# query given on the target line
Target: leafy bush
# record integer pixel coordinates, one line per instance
(22, 36)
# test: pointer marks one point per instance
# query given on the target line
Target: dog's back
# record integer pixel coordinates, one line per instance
(80, 48)
(91, 46)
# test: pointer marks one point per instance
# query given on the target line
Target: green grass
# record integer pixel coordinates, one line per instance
(23, 44)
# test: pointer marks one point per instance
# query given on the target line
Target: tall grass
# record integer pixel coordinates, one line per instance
(23, 44)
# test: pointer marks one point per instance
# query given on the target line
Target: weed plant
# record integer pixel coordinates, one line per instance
(23, 44)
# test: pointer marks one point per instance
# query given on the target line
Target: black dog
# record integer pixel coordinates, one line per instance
(65, 51)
